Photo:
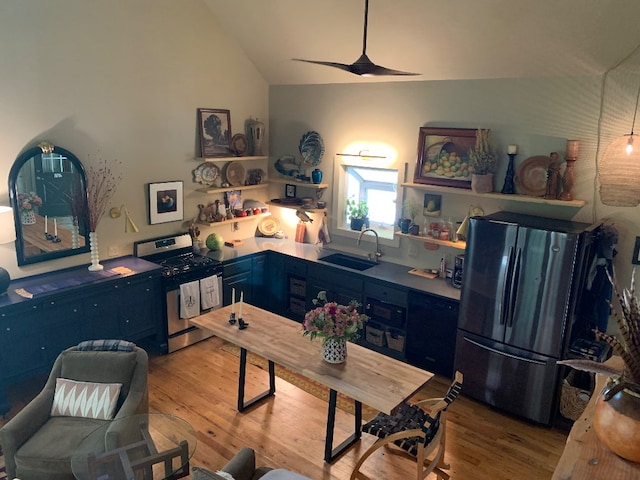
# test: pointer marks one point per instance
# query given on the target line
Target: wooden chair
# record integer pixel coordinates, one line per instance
(419, 433)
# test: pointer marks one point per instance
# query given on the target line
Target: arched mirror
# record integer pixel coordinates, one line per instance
(48, 190)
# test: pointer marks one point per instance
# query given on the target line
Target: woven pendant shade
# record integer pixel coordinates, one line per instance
(619, 173)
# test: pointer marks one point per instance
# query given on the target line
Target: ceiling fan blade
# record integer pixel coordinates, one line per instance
(341, 66)
(363, 66)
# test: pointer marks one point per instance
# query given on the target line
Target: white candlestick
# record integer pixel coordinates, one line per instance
(46, 224)
(233, 300)
(241, 300)
(512, 149)
(55, 227)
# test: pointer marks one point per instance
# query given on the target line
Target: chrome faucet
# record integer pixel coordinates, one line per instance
(372, 256)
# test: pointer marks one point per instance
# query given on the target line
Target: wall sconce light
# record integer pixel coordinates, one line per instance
(7, 235)
(129, 226)
(619, 170)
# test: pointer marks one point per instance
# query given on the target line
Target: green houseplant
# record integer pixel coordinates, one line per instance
(411, 209)
(358, 213)
(483, 162)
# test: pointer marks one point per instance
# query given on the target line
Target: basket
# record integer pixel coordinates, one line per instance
(297, 287)
(395, 341)
(573, 399)
(374, 336)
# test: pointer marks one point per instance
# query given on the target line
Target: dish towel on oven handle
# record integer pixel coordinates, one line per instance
(209, 292)
(190, 299)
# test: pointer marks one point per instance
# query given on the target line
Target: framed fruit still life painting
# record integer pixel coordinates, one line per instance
(443, 156)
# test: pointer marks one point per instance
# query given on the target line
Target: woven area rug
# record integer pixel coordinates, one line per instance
(310, 386)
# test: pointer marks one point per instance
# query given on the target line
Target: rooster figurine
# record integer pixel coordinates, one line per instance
(302, 215)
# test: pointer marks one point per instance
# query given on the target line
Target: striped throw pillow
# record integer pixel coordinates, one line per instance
(85, 399)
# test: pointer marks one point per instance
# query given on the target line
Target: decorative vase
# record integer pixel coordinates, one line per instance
(27, 217)
(334, 351)
(508, 187)
(256, 129)
(482, 183)
(404, 223)
(316, 176)
(617, 423)
(95, 260)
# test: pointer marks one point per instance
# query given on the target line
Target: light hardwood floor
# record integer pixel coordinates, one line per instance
(199, 384)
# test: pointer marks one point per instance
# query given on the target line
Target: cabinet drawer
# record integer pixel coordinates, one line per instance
(386, 294)
(236, 267)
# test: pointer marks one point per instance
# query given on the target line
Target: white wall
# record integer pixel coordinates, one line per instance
(119, 80)
(539, 115)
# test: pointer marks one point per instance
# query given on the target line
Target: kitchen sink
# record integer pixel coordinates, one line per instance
(348, 261)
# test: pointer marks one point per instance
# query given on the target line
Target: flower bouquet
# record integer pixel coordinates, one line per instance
(28, 201)
(335, 323)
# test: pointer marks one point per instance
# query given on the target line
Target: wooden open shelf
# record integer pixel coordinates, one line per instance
(460, 244)
(230, 189)
(292, 181)
(236, 219)
(498, 196)
(231, 159)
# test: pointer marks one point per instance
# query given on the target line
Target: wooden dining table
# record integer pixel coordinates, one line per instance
(368, 377)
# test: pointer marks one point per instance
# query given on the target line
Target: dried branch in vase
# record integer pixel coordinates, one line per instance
(102, 183)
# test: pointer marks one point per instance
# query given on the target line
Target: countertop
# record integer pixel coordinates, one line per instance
(385, 271)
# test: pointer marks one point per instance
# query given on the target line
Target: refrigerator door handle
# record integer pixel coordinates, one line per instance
(504, 307)
(504, 354)
(513, 290)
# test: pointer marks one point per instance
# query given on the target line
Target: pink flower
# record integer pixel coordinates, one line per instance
(330, 320)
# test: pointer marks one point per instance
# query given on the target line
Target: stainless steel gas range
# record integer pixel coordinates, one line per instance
(192, 285)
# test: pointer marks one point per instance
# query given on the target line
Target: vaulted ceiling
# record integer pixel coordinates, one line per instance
(440, 39)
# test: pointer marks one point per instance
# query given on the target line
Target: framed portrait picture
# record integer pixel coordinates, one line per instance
(165, 202)
(443, 156)
(215, 132)
(290, 190)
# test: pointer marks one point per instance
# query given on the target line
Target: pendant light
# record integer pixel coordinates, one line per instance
(619, 170)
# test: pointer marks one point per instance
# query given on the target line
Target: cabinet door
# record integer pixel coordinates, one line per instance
(275, 283)
(64, 326)
(22, 349)
(140, 312)
(258, 281)
(102, 314)
(237, 274)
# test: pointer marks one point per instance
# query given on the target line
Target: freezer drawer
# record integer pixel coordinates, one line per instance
(507, 378)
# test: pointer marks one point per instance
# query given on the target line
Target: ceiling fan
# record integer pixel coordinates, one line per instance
(362, 66)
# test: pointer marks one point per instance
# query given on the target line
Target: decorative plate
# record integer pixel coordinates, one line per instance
(206, 173)
(269, 226)
(234, 173)
(239, 144)
(531, 176)
(311, 148)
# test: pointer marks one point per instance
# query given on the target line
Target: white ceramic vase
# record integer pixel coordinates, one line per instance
(334, 351)
(95, 260)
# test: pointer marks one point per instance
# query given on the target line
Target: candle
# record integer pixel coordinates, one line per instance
(241, 300)
(572, 148)
(46, 224)
(512, 149)
(233, 300)
(55, 227)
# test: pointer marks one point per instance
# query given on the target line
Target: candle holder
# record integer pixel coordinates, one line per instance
(508, 187)
(56, 239)
(242, 324)
(569, 177)
(48, 236)
(552, 189)
(232, 318)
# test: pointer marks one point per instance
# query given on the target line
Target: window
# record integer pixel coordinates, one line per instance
(376, 186)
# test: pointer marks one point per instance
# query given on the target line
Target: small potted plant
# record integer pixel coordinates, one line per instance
(483, 162)
(358, 213)
(411, 209)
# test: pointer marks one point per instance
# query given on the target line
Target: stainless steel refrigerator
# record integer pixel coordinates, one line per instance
(522, 279)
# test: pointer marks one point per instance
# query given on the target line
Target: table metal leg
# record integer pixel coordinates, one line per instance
(330, 453)
(242, 405)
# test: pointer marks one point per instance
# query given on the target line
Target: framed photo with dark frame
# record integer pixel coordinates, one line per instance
(443, 156)
(165, 202)
(214, 126)
(290, 190)
(636, 252)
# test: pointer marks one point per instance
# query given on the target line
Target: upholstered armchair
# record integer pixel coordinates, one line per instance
(40, 440)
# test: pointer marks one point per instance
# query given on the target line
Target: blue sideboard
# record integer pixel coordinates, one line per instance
(122, 301)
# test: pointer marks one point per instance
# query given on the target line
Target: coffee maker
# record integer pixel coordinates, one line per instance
(458, 269)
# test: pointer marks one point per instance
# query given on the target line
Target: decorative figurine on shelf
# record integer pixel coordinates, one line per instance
(508, 187)
(552, 189)
(569, 178)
